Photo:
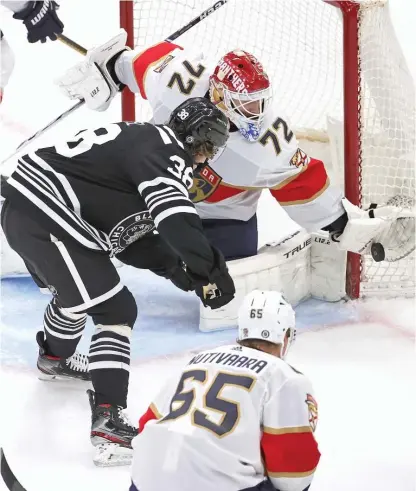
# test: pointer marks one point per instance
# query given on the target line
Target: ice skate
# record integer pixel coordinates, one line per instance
(111, 434)
(53, 367)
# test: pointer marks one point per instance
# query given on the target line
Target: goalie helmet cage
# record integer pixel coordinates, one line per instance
(339, 75)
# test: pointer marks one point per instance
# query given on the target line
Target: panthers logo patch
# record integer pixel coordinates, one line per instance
(300, 159)
(130, 229)
(164, 64)
(313, 411)
(205, 183)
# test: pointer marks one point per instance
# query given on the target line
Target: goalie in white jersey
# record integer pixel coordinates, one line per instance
(237, 418)
(262, 151)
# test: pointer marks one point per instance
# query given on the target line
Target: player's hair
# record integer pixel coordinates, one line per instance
(258, 344)
(205, 148)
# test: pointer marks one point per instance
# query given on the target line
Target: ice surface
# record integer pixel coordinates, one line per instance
(360, 357)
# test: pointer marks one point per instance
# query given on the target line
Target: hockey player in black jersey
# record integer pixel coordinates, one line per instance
(120, 190)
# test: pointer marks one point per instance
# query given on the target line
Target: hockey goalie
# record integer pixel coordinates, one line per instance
(263, 153)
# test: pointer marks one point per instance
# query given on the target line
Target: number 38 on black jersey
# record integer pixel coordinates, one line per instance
(108, 187)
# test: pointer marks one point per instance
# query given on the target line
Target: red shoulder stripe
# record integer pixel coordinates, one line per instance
(149, 57)
(150, 414)
(223, 192)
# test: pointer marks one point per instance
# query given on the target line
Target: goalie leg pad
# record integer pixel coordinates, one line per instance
(283, 267)
(328, 268)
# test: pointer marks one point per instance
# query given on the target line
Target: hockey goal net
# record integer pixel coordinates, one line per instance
(340, 76)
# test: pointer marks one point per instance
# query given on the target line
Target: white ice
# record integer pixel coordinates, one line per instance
(359, 355)
(363, 374)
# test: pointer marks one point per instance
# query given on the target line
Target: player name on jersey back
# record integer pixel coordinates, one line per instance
(230, 359)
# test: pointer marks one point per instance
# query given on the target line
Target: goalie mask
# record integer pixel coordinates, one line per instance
(267, 316)
(241, 88)
(201, 126)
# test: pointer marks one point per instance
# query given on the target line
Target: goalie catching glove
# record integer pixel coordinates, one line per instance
(218, 289)
(387, 231)
(94, 79)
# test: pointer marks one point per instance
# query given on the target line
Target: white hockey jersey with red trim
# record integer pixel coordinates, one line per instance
(232, 417)
(7, 63)
(165, 75)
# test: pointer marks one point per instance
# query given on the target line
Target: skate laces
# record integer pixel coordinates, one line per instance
(78, 362)
(124, 418)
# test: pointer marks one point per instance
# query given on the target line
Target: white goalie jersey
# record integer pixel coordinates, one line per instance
(233, 417)
(165, 75)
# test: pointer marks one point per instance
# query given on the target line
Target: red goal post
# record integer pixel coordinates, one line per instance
(357, 78)
(128, 109)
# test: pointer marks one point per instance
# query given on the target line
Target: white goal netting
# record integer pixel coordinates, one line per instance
(300, 43)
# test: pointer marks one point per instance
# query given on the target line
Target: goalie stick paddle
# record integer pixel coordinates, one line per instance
(8, 477)
(80, 49)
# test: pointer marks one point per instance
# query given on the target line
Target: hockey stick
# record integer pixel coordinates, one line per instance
(9, 478)
(75, 46)
(196, 21)
(72, 44)
(43, 130)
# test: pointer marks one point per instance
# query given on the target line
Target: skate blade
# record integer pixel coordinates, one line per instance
(111, 454)
(46, 377)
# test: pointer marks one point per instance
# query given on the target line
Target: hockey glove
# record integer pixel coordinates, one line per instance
(387, 231)
(94, 79)
(177, 275)
(41, 21)
(218, 289)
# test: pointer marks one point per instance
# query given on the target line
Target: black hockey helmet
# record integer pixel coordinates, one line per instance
(201, 126)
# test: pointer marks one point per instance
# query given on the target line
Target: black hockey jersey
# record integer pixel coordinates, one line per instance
(108, 187)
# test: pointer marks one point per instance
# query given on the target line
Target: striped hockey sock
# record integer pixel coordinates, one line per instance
(109, 364)
(63, 330)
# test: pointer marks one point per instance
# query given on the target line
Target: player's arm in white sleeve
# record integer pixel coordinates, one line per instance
(109, 67)
(14, 5)
(289, 448)
(6, 65)
(144, 71)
